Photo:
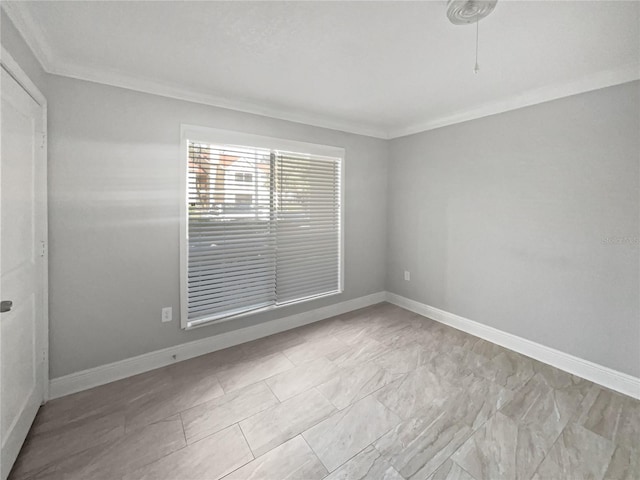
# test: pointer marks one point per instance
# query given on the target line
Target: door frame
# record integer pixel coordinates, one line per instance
(19, 75)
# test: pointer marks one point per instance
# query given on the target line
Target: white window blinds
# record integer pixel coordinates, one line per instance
(307, 227)
(263, 229)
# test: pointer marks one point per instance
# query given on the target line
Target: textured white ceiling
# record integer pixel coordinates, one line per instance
(379, 68)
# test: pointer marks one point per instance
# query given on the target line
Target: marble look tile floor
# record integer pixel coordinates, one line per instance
(379, 393)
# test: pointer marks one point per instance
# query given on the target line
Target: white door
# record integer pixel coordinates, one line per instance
(22, 265)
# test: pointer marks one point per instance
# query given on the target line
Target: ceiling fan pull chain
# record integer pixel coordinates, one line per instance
(465, 12)
(476, 69)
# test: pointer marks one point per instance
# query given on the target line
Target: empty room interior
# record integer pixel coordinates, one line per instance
(304, 240)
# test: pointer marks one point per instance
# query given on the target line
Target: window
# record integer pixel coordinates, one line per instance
(262, 227)
(244, 177)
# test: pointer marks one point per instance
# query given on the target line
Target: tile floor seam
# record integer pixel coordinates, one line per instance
(286, 440)
(302, 391)
(470, 434)
(234, 470)
(532, 404)
(301, 435)
(335, 410)
(293, 365)
(383, 457)
(614, 443)
(358, 453)
(461, 467)
(549, 450)
(315, 387)
(224, 392)
(287, 357)
(369, 444)
(356, 399)
(127, 472)
(253, 454)
(401, 378)
(350, 458)
(614, 433)
(271, 390)
(580, 416)
(615, 447)
(230, 425)
(311, 341)
(220, 478)
(569, 422)
(184, 433)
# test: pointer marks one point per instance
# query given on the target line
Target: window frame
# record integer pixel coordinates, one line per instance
(231, 137)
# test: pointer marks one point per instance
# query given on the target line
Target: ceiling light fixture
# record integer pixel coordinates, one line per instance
(464, 12)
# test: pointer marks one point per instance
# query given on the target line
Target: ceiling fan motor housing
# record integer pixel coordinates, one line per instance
(464, 12)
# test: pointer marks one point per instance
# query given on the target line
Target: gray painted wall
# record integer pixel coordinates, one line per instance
(114, 158)
(528, 222)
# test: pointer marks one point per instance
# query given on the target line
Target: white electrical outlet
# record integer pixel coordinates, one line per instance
(167, 314)
(407, 275)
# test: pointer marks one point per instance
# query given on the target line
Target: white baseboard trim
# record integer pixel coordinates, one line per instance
(128, 367)
(93, 377)
(607, 377)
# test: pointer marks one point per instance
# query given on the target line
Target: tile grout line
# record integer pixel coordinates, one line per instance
(303, 391)
(244, 464)
(272, 393)
(584, 408)
(371, 444)
(553, 444)
(335, 410)
(240, 420)
(314, 453)
(571, 421)
(265, 378)
(312, 449)
(381, 435)
(459, 466)
(215, 374)
(184, 433)
(386, 460)
(186, 445)
(472, 432)
(253, 454)
(324, 355)
(400, 379)
(354, 455)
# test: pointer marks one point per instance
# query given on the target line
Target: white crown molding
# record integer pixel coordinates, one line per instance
(532, 97)
(605, 376)
(31, 33)
(536, 96)
(93, 377)
(172, 91)
(36, 40)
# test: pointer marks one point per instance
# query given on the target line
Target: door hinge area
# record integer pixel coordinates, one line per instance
(44, 140)
(43, 249)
